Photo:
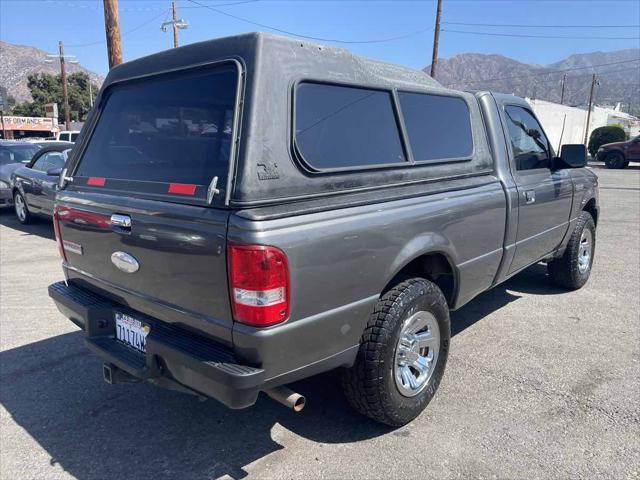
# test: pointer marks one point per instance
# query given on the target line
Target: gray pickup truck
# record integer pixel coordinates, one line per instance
(242, 213)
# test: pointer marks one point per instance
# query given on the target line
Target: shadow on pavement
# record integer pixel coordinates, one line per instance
(54, 390)
(40, 226)
(533, 280)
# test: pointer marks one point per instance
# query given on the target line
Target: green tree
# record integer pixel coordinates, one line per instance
(602, 135)
(46, 88)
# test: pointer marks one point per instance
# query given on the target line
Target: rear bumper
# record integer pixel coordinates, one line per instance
(172, 353)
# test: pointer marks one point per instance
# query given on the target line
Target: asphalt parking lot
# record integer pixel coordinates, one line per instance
(540, 383)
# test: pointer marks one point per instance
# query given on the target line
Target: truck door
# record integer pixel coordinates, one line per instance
(544, 196)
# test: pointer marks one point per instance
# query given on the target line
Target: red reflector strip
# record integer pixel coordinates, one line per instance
(182, 188)
(96, 181)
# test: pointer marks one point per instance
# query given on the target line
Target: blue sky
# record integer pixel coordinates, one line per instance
(41, 23)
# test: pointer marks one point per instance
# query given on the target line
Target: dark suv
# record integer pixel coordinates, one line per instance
(243, 213)
(619, 154)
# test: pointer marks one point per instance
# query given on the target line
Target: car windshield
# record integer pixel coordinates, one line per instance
(17, 153)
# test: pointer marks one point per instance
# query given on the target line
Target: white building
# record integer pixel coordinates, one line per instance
(564, 124)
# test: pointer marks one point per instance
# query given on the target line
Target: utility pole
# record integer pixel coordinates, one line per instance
(62, 58)
(65, 96)
(564, 79)
(176, 24)
(175, 28)
(112, 29)
(90, 94)
(586, 128)
(436, 40)
(4, 133)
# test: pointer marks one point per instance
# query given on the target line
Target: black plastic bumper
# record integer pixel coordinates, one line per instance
(172, 353)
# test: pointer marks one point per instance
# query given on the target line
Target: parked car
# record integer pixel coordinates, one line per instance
(337, 212)
(34, 185)
(13, 154)
(619, 154)
(65, 136)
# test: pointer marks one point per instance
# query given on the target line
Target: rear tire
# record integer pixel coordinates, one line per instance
(572, 270)
(402, 355)
(615, 160)
(22, 211)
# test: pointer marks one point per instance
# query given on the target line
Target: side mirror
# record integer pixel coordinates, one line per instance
(533, 133)
(571, 156)
(54, 172)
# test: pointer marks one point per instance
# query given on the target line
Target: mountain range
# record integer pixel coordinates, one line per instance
(17, 62)
(618, 75)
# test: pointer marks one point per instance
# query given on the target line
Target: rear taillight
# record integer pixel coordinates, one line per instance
(56, 229)
(258, 284)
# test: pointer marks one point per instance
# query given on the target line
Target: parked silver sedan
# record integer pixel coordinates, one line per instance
(34, 185)
(13, 154)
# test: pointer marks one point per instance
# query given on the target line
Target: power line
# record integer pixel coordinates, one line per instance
(142, 25)
(94, 7)
(550, 72)
(222, 4)
(606, 72)
(309, 37)
(524, 35)
(516, 25)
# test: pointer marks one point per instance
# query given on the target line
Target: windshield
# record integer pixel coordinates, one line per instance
(17, 153)
(170, 129)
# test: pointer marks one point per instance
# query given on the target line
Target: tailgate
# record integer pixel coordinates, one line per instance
(170, 262)
(143, 218)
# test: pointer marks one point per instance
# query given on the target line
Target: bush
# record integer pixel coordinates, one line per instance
(602, 135)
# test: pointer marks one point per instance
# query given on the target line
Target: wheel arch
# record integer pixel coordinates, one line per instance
(16, 187)
(591, 207)
(616, 150)
(435, 263)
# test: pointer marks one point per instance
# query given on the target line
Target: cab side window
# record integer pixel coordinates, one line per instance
(41, 164)
(55, 160)
(530, 146)
(48, 161)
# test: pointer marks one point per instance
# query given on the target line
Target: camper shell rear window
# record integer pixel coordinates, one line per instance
(169, 134)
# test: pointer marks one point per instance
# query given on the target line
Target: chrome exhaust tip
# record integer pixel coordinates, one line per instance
(287, 397)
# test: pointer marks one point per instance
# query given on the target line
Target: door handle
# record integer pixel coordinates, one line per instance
(121, 223)
(530, 196)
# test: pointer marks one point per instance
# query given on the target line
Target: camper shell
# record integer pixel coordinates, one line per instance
(266, 159)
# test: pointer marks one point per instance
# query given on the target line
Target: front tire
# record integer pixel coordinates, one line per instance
(402, 355)
(22, 211)
(572, 270)
(615, 160)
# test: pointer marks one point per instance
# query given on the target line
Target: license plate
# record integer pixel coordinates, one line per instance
(131, 332)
